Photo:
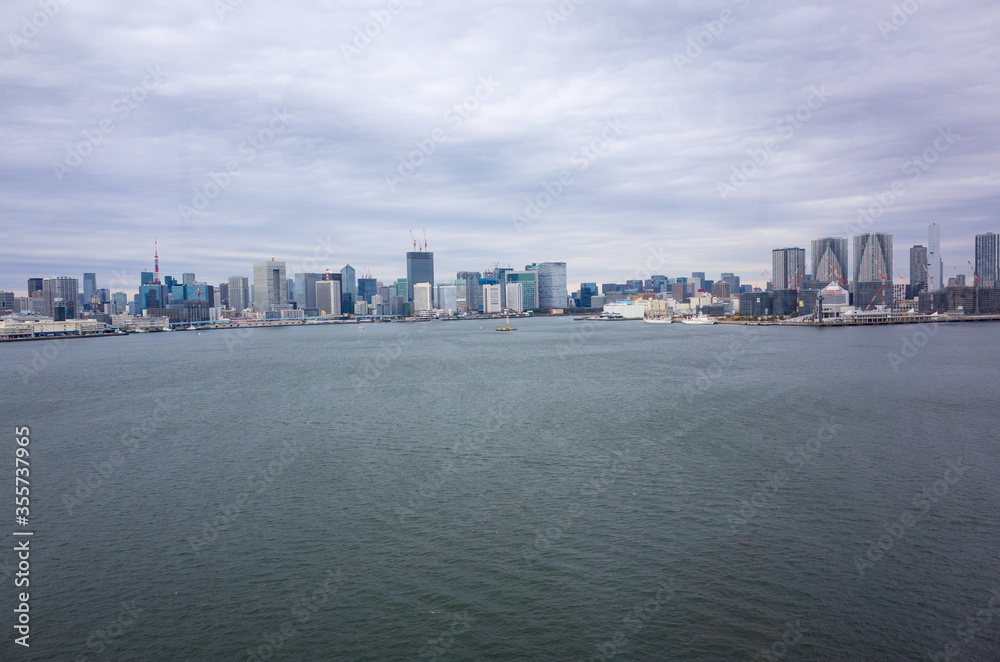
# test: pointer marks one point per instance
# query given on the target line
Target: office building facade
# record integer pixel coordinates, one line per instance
(63, 292)
(422, 298)
(491, 299)
(872, 270)
(918, 269)
(327, 295)
(528, 280)
(239, 293)
(987, 264)
(829, 260)
(552, 287)
(788, 268)
(419, 269)
(515, 303)
(270, 286)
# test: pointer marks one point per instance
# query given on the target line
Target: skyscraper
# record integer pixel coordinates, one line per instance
(935, 265)
(788, 268)
(348, 281)
(872, 270)
(64, 288)
(447, 298)
(34, 285)
(918, 269)
(188, 278)
(239, 293)
(829, 260)
(305, 289)
(552, 288)
(473, 295)
(529, 288)
(419, 269)
(987, 258)
(327, 296)
(514, 297)
(367, 288)
(89, 288)
(270, 286)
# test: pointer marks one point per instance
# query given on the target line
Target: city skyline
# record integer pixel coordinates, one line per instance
(127, 281)
(706, 141)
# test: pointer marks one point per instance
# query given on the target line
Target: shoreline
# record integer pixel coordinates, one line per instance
(256, 324)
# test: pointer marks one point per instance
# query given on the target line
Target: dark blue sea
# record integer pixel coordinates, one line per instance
(571, 491)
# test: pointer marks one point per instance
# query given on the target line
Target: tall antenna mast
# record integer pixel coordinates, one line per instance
(156, 262)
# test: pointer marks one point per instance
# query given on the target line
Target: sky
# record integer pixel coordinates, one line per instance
(625, 138)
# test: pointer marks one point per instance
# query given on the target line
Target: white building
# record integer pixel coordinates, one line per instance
(422, 297)
(630, 310)
(491, 299)
(515, 299)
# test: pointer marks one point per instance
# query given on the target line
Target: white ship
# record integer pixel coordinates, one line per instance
(698, 319)
(657, 320)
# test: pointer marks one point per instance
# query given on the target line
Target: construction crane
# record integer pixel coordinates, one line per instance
(881, 290)
(975, 276)
(425, 240)
(414, 240)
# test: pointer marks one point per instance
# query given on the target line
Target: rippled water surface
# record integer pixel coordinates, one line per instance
(570, 491)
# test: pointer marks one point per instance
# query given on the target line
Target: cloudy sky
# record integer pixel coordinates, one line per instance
(623, 138)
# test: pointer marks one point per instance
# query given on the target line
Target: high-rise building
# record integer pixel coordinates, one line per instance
(64, 288)
(270, 286)
(187, 279)
(918, 269)
(7, 301)
(552, 286)
(422, 297)
(35, 285)
(327, 296)
(119, 301)
(528, 280)
(872, 270)
(348, 281)
(367, 288)
(721, 289)
(788, 268)
(987, 256)
(829, 260)
(89, 288)
(447, 298)
(514, 297)
(239, 293)
(223, 291)
(305, 289)
(589, 290)
(935, 265)
(734, 282)
(419, 269)
(473, 298)
(491, 299)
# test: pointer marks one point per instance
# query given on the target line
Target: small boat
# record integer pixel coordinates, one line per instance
(657, 320)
